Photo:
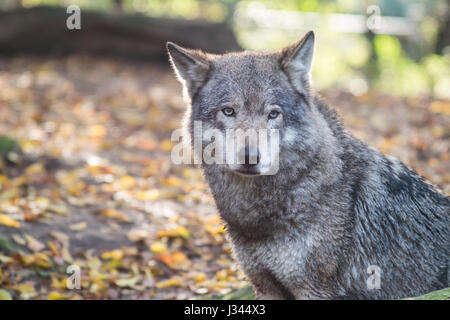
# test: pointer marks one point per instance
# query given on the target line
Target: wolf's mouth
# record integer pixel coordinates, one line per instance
(248, 172)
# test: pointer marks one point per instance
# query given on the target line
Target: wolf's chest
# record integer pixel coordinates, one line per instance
(280, 260)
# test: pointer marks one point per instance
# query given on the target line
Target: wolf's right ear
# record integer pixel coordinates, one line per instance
(297, 61)
(191, 66)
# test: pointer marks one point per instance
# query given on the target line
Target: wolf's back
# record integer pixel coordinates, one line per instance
(402, 226)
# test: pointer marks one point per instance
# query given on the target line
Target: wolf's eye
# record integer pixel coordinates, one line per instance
(273, 114)
(229, 112)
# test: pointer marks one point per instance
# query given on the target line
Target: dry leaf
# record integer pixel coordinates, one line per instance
(78, 226)
(8, 221)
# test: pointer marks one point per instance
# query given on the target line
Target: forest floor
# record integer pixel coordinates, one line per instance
(90, 182)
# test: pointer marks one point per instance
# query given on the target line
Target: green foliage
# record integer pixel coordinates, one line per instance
(7, 145)
(6, 246)
(402, 75)
(245, 293)
(9, 149)
(443, 294)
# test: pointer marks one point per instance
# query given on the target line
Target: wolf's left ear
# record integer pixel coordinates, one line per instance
(191, 66)
(297, 61)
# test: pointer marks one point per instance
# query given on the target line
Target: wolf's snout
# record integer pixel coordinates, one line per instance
(251, 156)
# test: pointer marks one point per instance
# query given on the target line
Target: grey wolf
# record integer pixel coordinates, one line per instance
(334, 208)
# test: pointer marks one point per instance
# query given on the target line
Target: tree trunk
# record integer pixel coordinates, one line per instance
(43, 31)
(443, 37)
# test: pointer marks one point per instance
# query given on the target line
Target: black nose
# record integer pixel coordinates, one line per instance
(252, 156)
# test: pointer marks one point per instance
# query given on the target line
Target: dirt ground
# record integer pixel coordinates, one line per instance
(91, 182)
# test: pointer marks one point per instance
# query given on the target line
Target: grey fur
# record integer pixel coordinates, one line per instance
(335, 207)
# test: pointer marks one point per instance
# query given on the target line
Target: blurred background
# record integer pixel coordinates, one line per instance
(395, 46)
(86, 118)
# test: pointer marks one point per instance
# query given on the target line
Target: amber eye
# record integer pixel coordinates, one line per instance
(273, 114)
(229, 112)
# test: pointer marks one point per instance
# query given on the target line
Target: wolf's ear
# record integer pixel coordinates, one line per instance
(297, 61)
(191, 66)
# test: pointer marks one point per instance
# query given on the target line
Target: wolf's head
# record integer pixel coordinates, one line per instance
(246, 92)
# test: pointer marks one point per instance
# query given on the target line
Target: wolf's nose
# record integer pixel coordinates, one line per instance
(252, 156)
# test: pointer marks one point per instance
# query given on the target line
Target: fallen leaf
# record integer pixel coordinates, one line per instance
(8, 221)
(114, 254)
(158, 247)
(54, 295)
(5, 295)
(18, 239)
(137, 235)
(168, 283)
(34, 244)
(26, 290)
(177, 260)
(175, 232)
(166, 145)
(61, 237)
(128, 282)
(78, 226)
(36, 168)
(127, 182)
(115, 214)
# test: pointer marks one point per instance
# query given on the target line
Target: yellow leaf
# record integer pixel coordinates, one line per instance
(192, 174)
(177, 260)
(5, 295)
(168, 283)
(152, 194)
(115, 214)
(67, 257)
(179, 231)
(97, 131)
(4, 259)
(58, 209)
(17, 182)
(53, 247)
(25, 289)
(158, 247)
(8, 221)
(433, 162)
(35, 168)
(173, 181)
(54, 295)
(222, 275)
(37, 259)
(130, 251)
(78, 226)
(114, 254)
(166, 145)
(127, 182)
(59, 284)
(76, 188)
(136, 235)
(3, 178)
(128, 282)
(18, 239)
(440, 107)
(215, 229)
(199, 278)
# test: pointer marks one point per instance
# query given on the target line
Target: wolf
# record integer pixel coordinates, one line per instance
(338, 220)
